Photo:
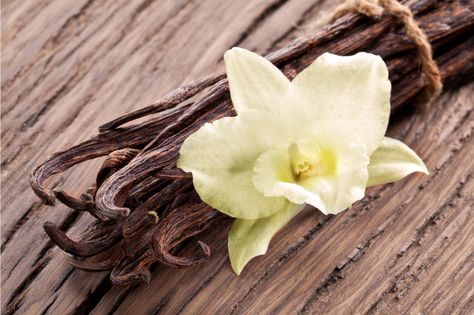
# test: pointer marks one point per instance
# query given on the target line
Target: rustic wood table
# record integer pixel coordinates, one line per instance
(70, 65)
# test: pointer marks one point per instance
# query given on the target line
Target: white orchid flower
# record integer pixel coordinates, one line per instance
(316, 140)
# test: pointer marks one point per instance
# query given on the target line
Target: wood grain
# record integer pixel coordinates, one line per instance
(406, 248)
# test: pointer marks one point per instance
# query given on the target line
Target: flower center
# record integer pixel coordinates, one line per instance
(306, 168)
(308, 160)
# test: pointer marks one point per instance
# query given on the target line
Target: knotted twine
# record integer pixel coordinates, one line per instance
(375, 8)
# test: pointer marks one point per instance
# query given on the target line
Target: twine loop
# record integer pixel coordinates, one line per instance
(375, 8)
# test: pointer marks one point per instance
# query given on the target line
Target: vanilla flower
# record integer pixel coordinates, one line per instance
(316, 140)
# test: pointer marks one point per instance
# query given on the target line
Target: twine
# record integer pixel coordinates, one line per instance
(375, 8)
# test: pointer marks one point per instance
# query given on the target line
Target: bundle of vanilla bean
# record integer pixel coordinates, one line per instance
(146, 209)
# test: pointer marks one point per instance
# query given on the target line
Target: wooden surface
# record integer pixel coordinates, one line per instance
(70, 65)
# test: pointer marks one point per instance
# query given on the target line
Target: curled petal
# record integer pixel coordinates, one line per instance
(392, 161)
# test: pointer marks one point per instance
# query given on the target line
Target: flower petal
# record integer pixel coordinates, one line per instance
(392, 161)
(250, 238)
(330, 193)
(254, 82)
(350, 92)
(221, 156)
(334, 194)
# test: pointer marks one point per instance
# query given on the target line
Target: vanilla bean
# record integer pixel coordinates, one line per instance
(91, 265)
(133, 137)
(175, 229)
(165, 196)
(133, 270)
(70, 201)
(99, 237)
(150, 160)
(174, 98)
(149, 207)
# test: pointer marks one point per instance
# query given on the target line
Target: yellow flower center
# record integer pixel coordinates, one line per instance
(308, 160)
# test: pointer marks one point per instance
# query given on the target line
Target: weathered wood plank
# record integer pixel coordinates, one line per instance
(352, 262)
(69, 66)
(69, 80)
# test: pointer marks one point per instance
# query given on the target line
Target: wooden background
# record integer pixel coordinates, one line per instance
(70, 65)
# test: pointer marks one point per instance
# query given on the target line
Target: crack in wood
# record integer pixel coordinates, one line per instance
(163, 302)
(45, 311)
(305, 16)
(40, 263)
(259, 20)
(48, 68)
(291, 252)
(63, 90)
(21, 21)
(206, 281)
(18, 224)
(54, 43)
(393, 290)
(94, 297)
(339, 271)
(17, 296)
(60, 284)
